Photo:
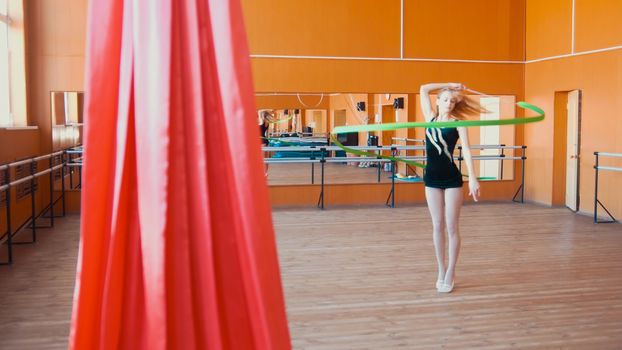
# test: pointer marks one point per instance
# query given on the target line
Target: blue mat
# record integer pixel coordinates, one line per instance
(407, 179)
(301, 154)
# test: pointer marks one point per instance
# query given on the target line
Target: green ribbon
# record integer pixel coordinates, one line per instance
(283, 142)
(452, 124)
(275, 121)
(372, 154)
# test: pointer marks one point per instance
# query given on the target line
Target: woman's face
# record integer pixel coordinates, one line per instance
(446, 102)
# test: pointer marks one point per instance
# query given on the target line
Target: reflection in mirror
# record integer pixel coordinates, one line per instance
(67, 107)
(300, 121)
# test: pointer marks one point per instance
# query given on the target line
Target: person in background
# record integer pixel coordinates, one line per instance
(264, 123)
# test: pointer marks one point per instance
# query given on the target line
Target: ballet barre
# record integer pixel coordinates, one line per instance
(321, 155)
(597, 202)
(56, 162)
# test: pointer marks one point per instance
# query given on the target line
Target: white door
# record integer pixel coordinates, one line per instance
(316, 119)
(489, 135)
(340, 118)
(572, 151)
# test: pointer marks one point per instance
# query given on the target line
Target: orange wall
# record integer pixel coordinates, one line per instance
(474, 29)
(371, 28)
(323, 27)
(313, 75)
(597, 24)
(599, 76)
(374, 194)
(549, 25)
(56, 32)
(292, 102)
(16, 144)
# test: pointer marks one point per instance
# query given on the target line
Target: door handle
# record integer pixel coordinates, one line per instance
(574, 156)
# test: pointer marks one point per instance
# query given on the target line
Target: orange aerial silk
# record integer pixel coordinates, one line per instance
(177, 246)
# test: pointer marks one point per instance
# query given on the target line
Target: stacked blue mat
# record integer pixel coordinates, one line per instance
(300, 154)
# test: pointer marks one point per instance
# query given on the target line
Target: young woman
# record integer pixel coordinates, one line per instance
(443, 180)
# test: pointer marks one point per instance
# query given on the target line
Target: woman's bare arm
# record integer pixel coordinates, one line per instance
(468, 159)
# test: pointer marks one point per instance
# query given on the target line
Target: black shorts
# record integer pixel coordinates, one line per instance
(444, 185)
(449, 177)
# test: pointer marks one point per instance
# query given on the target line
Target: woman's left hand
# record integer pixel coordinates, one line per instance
(474, 189)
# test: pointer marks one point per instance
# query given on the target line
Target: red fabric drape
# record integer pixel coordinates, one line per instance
(177, 248)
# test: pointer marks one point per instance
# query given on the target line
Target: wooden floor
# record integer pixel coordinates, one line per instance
(529, 277)
(37, 290)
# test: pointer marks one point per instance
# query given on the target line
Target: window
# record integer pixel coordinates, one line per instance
(5, 104)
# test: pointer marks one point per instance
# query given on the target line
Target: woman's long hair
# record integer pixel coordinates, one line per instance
(464, 107)
(263, 116)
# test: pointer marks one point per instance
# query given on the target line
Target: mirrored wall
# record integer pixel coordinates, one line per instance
(295, 122)
(67, 107)
(67, 116)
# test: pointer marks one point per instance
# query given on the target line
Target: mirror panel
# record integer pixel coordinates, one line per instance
(67, 117)
(303, 120)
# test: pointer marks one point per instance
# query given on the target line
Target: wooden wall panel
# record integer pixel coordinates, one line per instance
(597, 24)
(473, 30)
(18, 144)
(548, 28)
(375, 194)
(368, 28)
(292, 102)
(310, 75)
(480, 29)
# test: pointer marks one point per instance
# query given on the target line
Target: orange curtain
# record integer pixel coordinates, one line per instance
(177, 248)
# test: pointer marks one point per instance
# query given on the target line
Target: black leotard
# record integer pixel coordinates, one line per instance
(262, 131)
(441, 171)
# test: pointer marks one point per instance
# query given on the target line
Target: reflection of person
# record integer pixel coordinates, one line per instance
(443, 180)
(365, 121)
(263, 126)
(263, 132)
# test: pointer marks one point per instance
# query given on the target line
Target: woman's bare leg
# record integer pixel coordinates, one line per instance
(453, 204)
(436, 205)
